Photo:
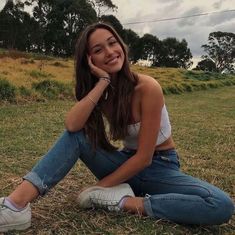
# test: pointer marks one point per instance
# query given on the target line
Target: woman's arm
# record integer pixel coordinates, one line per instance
(151, 103)
(76, 118)
(80, 112)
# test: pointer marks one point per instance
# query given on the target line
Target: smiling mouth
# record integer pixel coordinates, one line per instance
(113, 60)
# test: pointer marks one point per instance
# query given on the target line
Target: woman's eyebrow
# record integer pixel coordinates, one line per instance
(98, 44)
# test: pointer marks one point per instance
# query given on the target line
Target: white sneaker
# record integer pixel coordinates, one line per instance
(83, 198)
(14, 220)
(101, 197)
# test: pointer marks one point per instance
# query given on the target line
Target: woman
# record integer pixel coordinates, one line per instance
(144, 176)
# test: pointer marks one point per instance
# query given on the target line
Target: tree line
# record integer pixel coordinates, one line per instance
(52, 27)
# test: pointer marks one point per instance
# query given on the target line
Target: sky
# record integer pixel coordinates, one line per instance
(195, 30)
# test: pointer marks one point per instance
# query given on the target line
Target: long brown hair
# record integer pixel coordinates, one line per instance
(124, 87)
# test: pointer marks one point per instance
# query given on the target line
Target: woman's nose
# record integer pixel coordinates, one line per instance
(108, 50)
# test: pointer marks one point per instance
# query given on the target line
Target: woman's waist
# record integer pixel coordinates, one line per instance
(166, 145)
(156, 152)
(131, 141)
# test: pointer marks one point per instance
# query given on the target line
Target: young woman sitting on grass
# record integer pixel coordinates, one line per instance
(144, 177)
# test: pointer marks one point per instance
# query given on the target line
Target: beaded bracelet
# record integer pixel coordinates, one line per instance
(107, 79)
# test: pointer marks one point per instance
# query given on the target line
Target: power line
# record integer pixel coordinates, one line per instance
(177, 18)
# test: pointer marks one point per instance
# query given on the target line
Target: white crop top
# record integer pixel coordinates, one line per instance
(130, 141)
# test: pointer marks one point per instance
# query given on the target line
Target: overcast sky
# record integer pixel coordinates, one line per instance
(195, 30)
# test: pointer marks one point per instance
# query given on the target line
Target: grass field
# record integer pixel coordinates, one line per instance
(203, 129)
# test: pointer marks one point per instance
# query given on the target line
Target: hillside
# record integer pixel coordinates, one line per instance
(37, 77)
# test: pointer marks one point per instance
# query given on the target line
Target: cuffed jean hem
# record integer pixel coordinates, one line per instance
(34, 179)
(147, 206)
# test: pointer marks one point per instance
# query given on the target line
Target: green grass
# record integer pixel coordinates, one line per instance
(203, 129)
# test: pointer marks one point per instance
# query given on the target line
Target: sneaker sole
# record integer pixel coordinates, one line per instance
(109, 199)
(6, 228)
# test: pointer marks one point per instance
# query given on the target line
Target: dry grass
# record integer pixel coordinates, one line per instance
(28, 70)
(20, 71)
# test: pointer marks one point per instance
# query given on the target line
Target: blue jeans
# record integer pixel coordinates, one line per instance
(168, 193)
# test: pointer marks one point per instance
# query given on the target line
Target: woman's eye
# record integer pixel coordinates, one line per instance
(97, 50)
(113, 42)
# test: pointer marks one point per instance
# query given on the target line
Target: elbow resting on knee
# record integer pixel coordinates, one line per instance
(71, 128)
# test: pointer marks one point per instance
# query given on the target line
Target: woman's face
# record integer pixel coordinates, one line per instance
(105, 51)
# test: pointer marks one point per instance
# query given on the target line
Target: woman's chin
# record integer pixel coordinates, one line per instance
(114, 70)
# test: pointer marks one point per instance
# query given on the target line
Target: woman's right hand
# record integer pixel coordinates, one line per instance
(98, 72)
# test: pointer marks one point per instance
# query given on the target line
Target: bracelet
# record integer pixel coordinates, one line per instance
(107, 79)
(93, 102)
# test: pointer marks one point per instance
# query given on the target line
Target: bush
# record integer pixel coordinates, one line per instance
(187, 87)
(213, 84)
(23, 91)
(59, 64)
(52, 89)
(173, 89)
(39, 74)
(14, 54)
(7, 90)
(228, 82)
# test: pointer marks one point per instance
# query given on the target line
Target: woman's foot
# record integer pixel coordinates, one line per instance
(108, 198)
(11, 219)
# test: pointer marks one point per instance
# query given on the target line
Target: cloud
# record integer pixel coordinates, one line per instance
(195, 37)
(190, 21)
(168, 1)
(217, 5)
(172, 6)
(226, 27)
(219, 18)
(221, 3)
(2, 4)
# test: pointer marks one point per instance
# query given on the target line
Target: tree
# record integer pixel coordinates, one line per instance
(101, 6)
(221, 50)
(113, 21)
(54, 27)
(60, 22)
(132, 40)
(149, 47)
(16, 29)
(206, 65)
(174, 54)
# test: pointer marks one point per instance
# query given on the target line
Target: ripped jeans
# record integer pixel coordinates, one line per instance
(168, 193)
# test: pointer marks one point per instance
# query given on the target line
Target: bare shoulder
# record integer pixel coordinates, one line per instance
(147, 84)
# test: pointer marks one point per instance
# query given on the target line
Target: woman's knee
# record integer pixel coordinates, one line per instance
(77, 136)
(228, 206)
(223, 210)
